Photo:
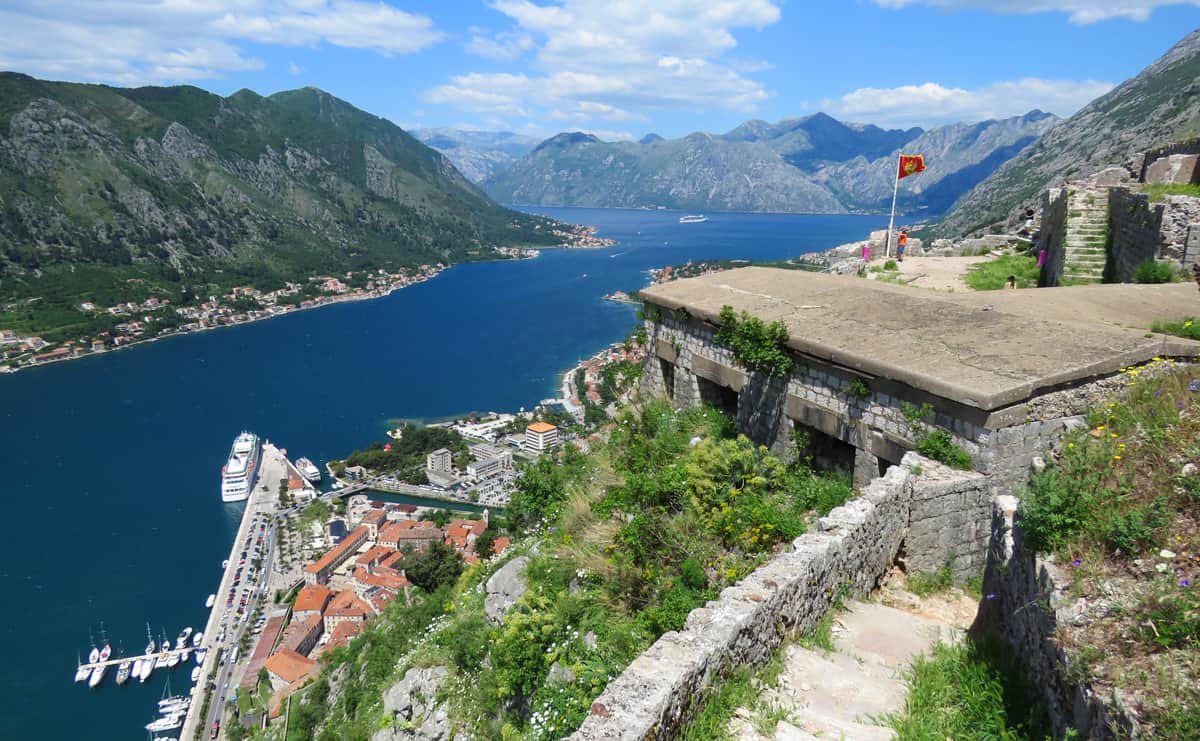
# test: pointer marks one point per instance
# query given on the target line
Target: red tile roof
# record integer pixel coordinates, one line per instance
(312, 597)
(289, 665)
(352, 541)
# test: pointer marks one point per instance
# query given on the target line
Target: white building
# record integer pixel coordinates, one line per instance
(439, 461)
(491, 465)
(540, 437)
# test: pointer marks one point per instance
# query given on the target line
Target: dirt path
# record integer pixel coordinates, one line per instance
(936, 273)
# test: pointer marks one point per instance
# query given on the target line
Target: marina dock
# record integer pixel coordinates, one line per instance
(151, 656)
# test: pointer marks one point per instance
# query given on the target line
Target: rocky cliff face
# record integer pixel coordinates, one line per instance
(189, 181)
(814, 164)
(1159, 106)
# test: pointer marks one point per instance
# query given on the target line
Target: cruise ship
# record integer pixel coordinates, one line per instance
(308, 470)
(693, 219)
(241, 470)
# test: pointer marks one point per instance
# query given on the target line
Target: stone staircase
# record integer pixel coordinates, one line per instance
(848, 692)
(1087, 229)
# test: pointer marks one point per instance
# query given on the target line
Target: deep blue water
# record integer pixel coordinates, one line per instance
(111, 463)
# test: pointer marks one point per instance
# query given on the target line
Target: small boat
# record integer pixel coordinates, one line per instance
(93, 655)
(693, 219)
(166, 645)
(123, 671)
(200, 655)
(105, 652)
(172, 660)
(184, 654)
(161, 661)
(147, 670)
(195, 674)
(173, 700)
(165, 723)
(196, 639)
(211, 599)
(82, 672)
(137, 669)
(97, 675)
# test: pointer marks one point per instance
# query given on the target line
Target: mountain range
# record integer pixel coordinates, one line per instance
(1159, 106)
(478, 154)
(811, 164)
(189, 183)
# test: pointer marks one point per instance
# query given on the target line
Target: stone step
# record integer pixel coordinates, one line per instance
(847, 692)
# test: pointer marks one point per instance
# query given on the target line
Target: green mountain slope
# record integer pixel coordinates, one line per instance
(178, 183)
(1159, 106)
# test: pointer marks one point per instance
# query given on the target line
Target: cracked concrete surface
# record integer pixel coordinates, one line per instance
(986, 350)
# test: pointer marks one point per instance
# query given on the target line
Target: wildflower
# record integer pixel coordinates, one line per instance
(1112, 434)
(1179, 405)
(1070, 445)
(1077, 562)
(1194, 386)
(1184, 582)
(1116, 457)
(990, 597)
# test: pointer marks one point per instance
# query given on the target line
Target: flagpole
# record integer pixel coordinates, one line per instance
(887, 252)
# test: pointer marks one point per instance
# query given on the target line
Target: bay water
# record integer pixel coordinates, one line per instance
(111, 463)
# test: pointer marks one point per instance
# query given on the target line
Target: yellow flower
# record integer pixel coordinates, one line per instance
(1070, 445)
(1121, 446)
(1112, 434)
(1116, 457)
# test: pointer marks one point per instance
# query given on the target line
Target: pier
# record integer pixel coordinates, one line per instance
(151, 656)
(225, 627)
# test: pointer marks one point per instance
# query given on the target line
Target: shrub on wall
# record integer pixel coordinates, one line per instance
(756, 345)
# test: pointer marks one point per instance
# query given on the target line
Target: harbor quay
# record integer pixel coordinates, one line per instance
(242, 586)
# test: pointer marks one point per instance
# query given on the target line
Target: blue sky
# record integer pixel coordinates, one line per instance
(618, 68)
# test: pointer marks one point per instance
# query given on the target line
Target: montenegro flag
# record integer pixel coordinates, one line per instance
(910, 164)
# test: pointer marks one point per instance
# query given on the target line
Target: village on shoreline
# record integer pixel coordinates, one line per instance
(154, 318)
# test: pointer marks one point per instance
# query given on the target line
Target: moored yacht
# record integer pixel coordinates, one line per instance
(241, 470)
(82, 673)
(693, 219)
(123, 671)
(97, 675)
(197, 638)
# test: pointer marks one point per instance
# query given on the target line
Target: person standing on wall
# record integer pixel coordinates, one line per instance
(901, 245)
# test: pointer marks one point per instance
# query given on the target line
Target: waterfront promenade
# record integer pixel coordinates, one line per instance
(225, 627)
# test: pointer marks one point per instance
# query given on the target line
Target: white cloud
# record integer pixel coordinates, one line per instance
(505, 47)
(610, 60)
(1080, 11)
(141, 41)
(931, 103)
(295, 69)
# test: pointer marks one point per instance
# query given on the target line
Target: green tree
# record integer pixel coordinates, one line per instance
(439, 564)
(485, 543)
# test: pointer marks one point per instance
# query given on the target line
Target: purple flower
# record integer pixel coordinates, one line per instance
(1158, 393)
(1179, 405)
(1077, 562)
(1194, 385)
(1184, 582)
(990, 597)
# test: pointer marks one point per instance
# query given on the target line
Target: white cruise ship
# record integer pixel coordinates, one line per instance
(693, 219)
(241, 470)
(308, 470)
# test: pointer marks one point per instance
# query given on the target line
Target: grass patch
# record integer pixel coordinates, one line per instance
(993, 274)
(1153, 271)
(1156, 191)
(1188, 327)
(925, 583)
(743, 688)
(969, 692)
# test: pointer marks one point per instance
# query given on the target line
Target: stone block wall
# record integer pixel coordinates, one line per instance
(1191, 251)
(1181, 216)
(948, 522)
(855, 548)
(1134, 232)
(1053, 235)
(1024, 603)
(1142, 164)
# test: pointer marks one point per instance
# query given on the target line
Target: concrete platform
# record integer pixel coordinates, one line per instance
(985, 350)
